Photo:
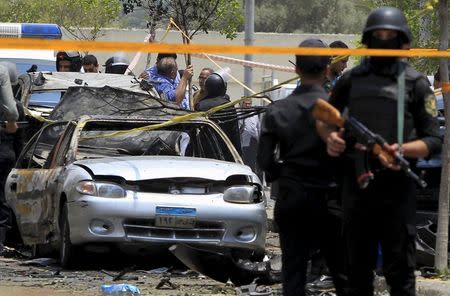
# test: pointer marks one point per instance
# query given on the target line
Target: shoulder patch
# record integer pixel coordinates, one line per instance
(430, 105)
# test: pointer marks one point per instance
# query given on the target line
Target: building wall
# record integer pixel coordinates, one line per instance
(234, 90)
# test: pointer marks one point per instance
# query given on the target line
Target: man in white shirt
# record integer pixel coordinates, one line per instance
(249, 128)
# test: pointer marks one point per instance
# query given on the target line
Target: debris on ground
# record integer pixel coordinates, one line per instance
(9, 252)
(120, 289)
(122, 275)
(159, 270)
(165, 283)
(254, 290)
(44, 262)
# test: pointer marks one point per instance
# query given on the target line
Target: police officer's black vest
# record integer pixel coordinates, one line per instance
(373, 100)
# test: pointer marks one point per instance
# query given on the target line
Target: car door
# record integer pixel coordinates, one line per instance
(32, 186)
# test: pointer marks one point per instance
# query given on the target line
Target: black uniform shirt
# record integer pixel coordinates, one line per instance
(229, 123)
(372, 99)
(288, 123)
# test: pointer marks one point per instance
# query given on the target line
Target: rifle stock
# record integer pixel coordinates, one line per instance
(326, 113)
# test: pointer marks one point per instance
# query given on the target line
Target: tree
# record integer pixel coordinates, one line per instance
(72, 15)
(320, 16)
(192, 16)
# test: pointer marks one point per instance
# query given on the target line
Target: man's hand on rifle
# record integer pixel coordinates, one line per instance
(392, 149)
(336, 143)
(11, 127)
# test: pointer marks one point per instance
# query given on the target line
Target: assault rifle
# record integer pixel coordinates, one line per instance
(326, 113)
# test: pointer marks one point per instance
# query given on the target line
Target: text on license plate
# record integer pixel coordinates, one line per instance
(175, 217)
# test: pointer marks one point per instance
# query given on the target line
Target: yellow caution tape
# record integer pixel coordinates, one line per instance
(339, 59)
(36, 115)
(34, 44)
(186, 117)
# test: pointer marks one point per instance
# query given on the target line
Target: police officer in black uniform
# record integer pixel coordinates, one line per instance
(117, 64)
(384, 212)
(216, 88)
(301, 170)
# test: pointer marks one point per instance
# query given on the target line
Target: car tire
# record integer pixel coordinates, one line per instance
(68, 253)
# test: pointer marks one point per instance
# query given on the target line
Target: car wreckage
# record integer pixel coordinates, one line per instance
(110, 172)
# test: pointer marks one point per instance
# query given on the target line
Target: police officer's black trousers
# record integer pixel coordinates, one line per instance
(303, 221)
(381, 215)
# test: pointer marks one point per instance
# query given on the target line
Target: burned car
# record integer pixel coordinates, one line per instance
(42, 91)
(134, 182)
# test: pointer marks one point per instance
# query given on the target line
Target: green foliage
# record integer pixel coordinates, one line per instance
(192, 16)
(319, 16)
(229, 18)
(72, 15)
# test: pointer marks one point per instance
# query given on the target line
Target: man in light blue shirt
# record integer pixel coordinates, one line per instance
(168, 86)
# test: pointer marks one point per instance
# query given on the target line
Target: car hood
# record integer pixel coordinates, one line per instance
(137, 168)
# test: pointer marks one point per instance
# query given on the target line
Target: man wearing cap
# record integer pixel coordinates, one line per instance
(301, 169)
(383, 213)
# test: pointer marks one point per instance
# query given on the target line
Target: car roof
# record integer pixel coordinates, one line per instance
(78, 101)
(64, 80)
(162, 118)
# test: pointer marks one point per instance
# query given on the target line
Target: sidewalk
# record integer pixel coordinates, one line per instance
(424, 287)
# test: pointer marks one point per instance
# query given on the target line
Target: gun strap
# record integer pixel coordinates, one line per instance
(400, 102)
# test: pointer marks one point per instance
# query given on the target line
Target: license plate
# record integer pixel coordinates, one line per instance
(175, 217)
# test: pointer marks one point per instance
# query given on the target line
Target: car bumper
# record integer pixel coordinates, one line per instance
(132, 219)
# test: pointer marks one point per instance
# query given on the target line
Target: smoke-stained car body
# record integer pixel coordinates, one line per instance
(183, 184)
(42, 91)
(91, 182)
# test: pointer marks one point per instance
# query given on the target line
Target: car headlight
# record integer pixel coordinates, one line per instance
(100, 189)
(245, 194)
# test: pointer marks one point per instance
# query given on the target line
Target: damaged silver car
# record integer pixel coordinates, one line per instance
(127, 179)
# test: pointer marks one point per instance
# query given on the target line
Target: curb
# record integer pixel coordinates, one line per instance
(424, 287)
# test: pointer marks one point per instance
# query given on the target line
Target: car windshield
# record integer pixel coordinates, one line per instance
(45, 99)
(190, 139)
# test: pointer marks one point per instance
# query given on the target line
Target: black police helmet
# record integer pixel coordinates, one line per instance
(312, 64)
(116, 64)
(73, 57)
(390, 18)
(215, 85)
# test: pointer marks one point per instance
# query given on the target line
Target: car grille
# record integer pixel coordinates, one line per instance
(204, 231)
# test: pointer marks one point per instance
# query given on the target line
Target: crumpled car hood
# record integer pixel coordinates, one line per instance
(135, 168)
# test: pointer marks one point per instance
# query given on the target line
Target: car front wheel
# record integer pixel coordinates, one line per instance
(68, 253)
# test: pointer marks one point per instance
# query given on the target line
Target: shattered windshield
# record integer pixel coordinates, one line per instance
(45, 99)
(184, 139)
